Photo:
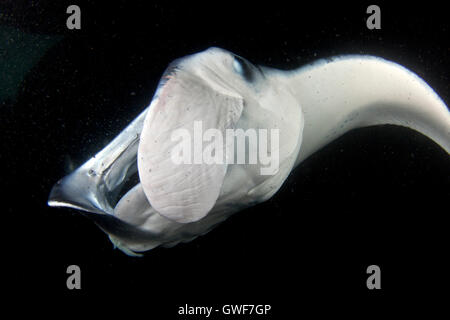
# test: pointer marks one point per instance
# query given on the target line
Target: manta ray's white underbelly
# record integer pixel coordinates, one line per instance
(310, 107)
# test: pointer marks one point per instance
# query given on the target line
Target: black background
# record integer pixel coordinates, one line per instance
(375, 196)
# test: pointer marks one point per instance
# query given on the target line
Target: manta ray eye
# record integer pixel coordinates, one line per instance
(244, 68)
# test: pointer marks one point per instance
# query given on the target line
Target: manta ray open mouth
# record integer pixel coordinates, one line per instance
(309, 107)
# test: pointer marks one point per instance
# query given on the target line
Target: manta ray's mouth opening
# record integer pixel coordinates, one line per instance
(99, 184)
(98, 192)
(129, 183)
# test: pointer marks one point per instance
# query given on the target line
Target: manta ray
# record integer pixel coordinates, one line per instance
(310, 107)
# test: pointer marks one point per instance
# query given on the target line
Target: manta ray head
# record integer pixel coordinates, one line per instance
(219, 97)
(222, 95)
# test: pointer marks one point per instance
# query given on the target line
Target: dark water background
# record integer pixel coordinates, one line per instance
(375, 196)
